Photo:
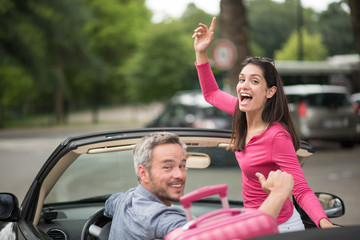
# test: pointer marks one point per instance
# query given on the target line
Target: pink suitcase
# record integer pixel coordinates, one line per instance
(222, 224)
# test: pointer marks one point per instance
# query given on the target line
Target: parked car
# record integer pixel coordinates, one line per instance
(68, 194)
(189, 109)
(323, 112)
(356, 101)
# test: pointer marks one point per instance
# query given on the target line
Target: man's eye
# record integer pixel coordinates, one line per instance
(167, 167)
(183, 166)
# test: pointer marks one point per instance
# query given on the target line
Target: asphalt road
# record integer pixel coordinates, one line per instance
(331, 169)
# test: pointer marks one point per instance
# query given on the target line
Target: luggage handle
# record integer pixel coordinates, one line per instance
(210, 215)
(203, 192)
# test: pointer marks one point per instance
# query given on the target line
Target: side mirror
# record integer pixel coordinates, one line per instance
(333, 205)
(304, 152)
(9, 207)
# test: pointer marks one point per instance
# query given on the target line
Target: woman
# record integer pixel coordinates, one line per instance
(263, 136)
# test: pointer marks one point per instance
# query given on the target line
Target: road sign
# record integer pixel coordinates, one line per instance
(224, 54)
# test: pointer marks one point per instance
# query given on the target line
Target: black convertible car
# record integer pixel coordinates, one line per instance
(67, 196)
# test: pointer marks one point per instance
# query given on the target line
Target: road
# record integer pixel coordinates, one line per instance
(331, 169)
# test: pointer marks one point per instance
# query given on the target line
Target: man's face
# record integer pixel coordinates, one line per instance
(168, 173)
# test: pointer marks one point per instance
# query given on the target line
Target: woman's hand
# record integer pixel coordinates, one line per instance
(325, 223)
(203, 37)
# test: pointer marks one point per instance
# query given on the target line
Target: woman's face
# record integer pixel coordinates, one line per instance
(252, 90)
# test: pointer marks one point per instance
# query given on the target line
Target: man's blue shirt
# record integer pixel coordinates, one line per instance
(138, 214)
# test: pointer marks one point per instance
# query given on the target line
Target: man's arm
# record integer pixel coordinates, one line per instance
(279, 186)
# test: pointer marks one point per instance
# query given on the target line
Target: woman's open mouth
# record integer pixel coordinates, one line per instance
(245, 98)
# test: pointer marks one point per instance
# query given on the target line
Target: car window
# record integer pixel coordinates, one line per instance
(102, 174)
(224, 169)
(294, 98)
(327, 99)
(321, 99)
(95, 175)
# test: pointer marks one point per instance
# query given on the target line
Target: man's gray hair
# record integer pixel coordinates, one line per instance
(143, 150)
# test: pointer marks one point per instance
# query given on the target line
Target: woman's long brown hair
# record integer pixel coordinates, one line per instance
(276, 108)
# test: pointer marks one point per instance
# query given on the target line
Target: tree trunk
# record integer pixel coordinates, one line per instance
(355, 20)
(234, 27)
(59, 80)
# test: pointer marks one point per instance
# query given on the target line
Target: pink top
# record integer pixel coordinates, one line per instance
(269, 151)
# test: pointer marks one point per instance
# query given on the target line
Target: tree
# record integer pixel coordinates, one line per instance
(16, 87)
(44, 39)
(355, 19)
(271, 23)
(314, 50)
(114, 33)
(234, 27)
(70, 48)
(162, 65)
(335, 27)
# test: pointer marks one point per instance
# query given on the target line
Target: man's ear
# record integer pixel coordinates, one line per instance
(143, 174)
(271, 91)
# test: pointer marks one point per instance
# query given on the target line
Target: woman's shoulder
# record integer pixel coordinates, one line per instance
(277, 128)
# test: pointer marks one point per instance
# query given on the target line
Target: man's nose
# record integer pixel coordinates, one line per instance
(179, 172)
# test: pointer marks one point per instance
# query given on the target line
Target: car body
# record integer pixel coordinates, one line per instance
(189, 109)
(68, 194)
(355, 98)
(323, 112)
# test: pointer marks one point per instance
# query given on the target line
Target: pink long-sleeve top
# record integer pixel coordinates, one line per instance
(269, 151)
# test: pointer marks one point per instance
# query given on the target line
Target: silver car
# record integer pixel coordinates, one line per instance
(323, 112)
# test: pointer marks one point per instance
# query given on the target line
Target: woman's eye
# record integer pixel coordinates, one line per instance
(241, 80)
(254, 81)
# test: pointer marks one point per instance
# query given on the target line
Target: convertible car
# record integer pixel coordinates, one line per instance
(66, 199)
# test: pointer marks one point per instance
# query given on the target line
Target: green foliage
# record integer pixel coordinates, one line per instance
(16, 86)
(115, 26)
(271, 23)
(162, 63)
(313, 48)
(335, 27)
(86, 53)
(70, 47)
(193, 16)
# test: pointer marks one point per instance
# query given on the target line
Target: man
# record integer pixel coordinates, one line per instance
(145, 212)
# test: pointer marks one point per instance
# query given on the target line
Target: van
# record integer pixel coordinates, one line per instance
(323, 112)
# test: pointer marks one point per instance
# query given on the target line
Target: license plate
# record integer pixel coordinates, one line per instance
(336, 123)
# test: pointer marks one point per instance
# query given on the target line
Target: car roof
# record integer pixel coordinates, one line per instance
(190, 98)
(355, 97)
(314, 88)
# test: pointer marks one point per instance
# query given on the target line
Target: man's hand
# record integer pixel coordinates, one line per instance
(279, 186)
(278, 181)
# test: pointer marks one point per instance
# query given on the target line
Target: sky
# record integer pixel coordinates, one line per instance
(175, 8)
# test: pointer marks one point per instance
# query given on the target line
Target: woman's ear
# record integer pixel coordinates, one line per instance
(271, 91)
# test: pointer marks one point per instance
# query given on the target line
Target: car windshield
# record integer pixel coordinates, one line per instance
(93, 177)
(330, 100)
